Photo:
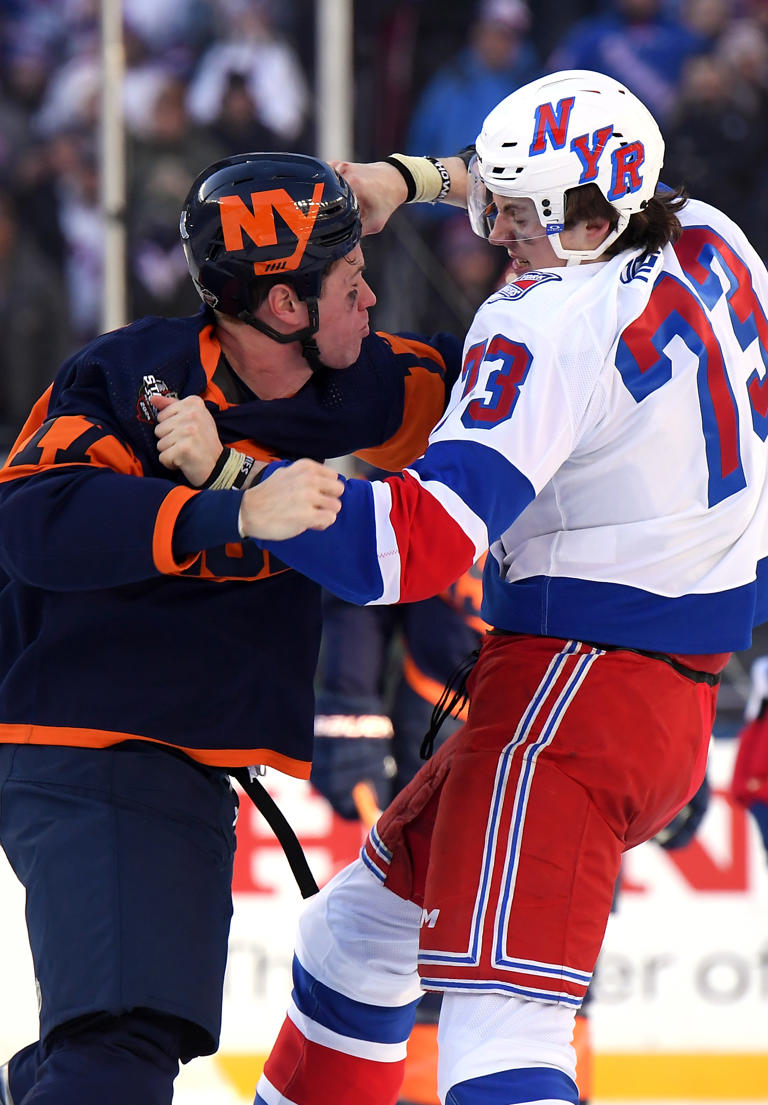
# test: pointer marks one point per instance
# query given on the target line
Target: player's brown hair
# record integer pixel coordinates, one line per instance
(649, 229)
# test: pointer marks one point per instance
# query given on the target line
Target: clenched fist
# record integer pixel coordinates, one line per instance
(303, 495)
(187, 437)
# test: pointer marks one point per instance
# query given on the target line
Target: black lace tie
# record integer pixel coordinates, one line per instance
(453, 700)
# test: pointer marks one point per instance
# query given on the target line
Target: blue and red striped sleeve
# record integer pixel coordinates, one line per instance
(410, 536)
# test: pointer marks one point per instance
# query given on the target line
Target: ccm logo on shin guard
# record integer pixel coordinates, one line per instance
(429, 917)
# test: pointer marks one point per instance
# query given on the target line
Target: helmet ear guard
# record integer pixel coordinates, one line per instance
(282, 215)
(560, 132)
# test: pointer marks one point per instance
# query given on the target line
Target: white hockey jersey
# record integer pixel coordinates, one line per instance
(607, 440)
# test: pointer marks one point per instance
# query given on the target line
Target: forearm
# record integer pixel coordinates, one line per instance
(384, 186)
(410, 536)
(381, 547)
(87, 529)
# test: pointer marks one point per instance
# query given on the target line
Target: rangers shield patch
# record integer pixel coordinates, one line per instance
(516, 289)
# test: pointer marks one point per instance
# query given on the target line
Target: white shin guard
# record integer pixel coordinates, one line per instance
(361, 939)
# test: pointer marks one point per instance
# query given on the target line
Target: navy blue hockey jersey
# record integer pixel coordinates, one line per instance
(106, 635)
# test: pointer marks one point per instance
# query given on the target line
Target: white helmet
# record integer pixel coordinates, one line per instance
(558, 132)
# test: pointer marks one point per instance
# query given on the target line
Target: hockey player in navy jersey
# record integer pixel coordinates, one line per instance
(607, 444)
(145, 649)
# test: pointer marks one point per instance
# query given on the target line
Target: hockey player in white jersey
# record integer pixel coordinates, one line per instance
(607, 443)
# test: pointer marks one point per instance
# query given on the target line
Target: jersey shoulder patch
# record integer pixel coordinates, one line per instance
(516, 289)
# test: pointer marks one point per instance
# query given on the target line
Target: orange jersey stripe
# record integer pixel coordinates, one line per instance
(101, 738)
(162, 540)
(210, 352)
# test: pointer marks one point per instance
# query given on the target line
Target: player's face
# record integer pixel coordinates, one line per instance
(343, 305)
(517, 227)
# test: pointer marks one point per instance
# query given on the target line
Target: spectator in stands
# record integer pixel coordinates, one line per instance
(552, 19)
(26, 64)
(715, 138)
(715, 170)
(72, 97)
(24, 72)
(33, 319)
(743, 50)
(266, 62)
(707, 18)
(637, 42)
(161, 162)
(81, 219)
(498, 59)
(237, 125)
(176, 30)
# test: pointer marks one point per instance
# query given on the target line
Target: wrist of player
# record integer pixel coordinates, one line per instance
(394, 184)
(427, 180)
(246, 521)
(232, 471)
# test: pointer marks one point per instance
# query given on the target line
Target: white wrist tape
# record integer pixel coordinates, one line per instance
(231, 470)
(427, 178)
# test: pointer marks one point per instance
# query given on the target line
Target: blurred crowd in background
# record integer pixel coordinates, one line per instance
(208, 78)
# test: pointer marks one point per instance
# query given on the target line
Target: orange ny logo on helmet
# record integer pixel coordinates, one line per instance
(259, 224)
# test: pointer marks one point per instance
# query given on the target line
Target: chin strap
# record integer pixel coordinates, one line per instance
(577, 256)
(305, 337)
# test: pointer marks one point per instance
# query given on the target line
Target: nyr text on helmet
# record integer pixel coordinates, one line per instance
(551, 126)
